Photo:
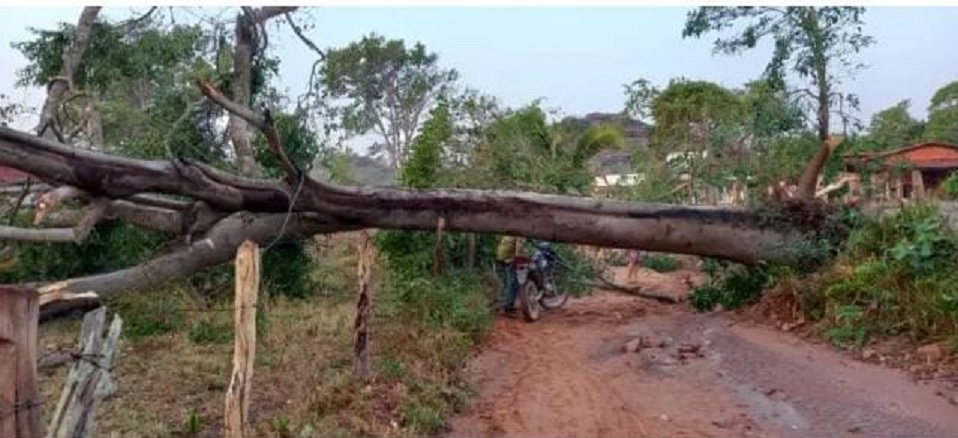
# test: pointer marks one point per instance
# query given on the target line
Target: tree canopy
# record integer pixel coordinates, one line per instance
(382, 86)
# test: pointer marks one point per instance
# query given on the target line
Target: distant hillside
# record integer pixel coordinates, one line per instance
(366, 171)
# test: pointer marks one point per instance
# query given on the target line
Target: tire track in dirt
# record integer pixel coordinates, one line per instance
(567, 375)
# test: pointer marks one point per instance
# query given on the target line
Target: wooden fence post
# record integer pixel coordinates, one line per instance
(19, 397)
(89, 380)
(438, 258)
(471, 256)
(366, 258)
(244, 344)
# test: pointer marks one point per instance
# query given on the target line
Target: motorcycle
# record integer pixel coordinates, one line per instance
(536, 277)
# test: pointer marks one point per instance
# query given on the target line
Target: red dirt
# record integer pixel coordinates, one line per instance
(568, 375)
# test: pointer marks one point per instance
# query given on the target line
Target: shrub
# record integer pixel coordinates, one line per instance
(895, 276)
(950, 186)
(661, 263)
(733, 286)
(207, 331)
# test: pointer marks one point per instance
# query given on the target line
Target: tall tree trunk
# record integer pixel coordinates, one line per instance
(808, 182)
(59, 86)
(240, 84)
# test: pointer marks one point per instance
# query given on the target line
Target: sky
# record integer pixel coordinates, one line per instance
(575, 58)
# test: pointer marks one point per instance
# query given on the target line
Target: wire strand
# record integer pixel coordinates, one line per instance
(289, 212)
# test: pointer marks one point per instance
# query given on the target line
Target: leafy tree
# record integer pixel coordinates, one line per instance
(134, 87)
(893, 127)
(425, 159)
(381, 86)
(701, 121)
(522, 151)
(818, 42)
(943, 114)
(770, 111)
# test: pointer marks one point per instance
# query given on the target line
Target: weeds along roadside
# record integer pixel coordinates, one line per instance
(894, 276)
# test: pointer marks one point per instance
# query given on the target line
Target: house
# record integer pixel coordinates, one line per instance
(907, 173)
(9, 176)
(605, 182)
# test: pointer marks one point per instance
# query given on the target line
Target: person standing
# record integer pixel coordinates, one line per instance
(506, 251)
(634, 259)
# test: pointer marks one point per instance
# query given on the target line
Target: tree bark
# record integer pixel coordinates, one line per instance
(808, 181)
(247, 25)
(240, 84)
(730, 233)
(217, 246)
(59, 86)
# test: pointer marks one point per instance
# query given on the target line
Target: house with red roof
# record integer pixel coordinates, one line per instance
(907, 173)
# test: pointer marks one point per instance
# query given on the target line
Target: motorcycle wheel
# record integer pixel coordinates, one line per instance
(529, 296)
(554, 300)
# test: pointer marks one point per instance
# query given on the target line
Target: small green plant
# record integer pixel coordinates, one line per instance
(149, 314)
(193, 424)
(394, 368)
(424, 408)
(661, 263)
(848, 329)
(281, 425)
(206, 331)
(950, 186)
(733, 286)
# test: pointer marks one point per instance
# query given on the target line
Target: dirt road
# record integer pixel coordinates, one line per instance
(569, 375)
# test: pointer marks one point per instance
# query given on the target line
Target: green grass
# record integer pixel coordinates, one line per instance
(175, 360)
(661, 263)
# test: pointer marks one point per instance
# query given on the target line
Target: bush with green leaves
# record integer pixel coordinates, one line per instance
(111, 245)
(661, 262)
(733, 286)
(950, 186)
(900, 277)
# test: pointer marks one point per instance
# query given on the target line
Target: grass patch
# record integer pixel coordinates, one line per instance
(174, 365)
(661, 263)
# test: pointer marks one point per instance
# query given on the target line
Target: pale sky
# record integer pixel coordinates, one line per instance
(576, 58)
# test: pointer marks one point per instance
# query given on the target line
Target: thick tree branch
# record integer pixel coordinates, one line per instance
(234, 108)
(734, 234)
(216, 246)
(93, 214)
(264, 124)
(71, 61)
(50, 200)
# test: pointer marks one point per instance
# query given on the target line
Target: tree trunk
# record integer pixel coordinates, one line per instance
(730, 233)
(59, 86)
(240, 83)
(808, 181)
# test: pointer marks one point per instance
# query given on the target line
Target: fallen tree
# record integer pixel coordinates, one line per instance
(213, 210)
(227, 209)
